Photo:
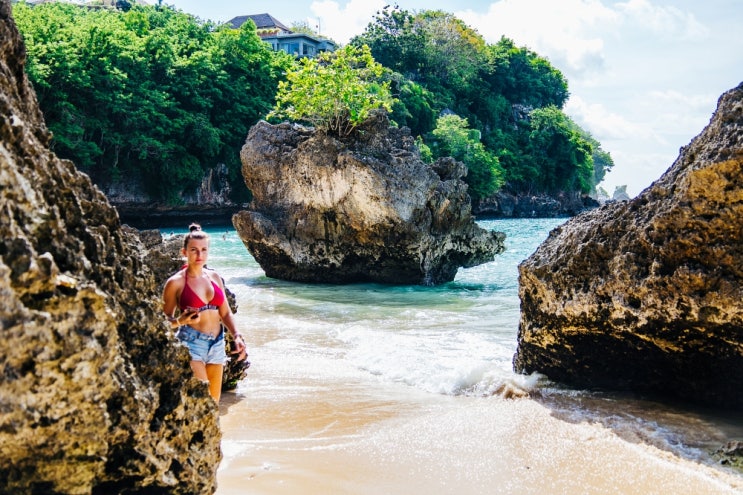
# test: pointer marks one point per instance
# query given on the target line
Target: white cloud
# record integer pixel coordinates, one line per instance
(667, 22)
(568, 32)
(682, 114)
(603, 123)
(347, 22)
(633, 165)
(693, 102)
(574, 34)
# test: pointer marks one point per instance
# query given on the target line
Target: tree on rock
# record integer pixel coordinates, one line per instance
(334, 92)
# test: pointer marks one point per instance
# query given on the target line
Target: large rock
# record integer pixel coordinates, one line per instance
(326, 210)
(648, 294)
(95, 396)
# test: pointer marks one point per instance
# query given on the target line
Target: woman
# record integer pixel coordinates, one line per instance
(200, 296)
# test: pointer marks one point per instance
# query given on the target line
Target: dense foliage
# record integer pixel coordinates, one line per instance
(455, 139)
(511, 95)
(153, 95)
(149, 93)
(334, 92)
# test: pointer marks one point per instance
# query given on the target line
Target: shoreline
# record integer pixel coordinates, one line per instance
(506, 206)
(336, 402)
(349, 438)
(143, 218)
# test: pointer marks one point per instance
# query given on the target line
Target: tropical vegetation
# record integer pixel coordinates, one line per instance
(335, 91)
(151, 94)
(148, 93)
(511, 95)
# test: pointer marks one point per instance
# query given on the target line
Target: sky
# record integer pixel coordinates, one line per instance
(644, 75)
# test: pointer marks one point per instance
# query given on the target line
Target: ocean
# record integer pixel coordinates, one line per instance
(369, 388)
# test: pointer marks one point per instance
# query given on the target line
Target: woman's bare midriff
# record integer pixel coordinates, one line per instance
(208, 319)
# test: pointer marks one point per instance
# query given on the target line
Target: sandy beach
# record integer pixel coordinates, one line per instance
(288, 433)
(371, 390)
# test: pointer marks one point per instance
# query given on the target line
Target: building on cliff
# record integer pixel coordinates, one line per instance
(282, 38)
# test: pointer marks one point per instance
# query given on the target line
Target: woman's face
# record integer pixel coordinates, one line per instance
(196, 251)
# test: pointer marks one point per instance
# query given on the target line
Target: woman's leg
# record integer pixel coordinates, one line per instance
(214, 374)
(199, 370)
(210, 373)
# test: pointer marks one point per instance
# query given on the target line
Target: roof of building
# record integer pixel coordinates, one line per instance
(262, 21)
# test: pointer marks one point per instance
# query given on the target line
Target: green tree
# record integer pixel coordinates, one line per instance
(602, 160)
(413, 106)
(150, 93)
(453, 53)
(335, 91)
(454, 138)
(562, 157)
(510, 94)
(524, 77)
(432, 49)
(394, 41)
(424, 149)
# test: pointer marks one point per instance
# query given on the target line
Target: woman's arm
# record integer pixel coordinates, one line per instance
(170, 302)
(225, 314)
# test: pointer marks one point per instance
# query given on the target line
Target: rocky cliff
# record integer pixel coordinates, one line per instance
(648, 294)
(506, 205)
(95, 397)
(210, 203)
(368, 209)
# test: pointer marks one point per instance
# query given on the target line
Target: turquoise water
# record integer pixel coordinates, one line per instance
(392, 332)
(456, 339)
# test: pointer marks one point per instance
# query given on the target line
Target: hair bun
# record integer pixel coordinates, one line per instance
(194, 227)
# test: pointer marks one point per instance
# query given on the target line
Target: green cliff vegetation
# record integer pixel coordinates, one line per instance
(151, 93)
(512, 96)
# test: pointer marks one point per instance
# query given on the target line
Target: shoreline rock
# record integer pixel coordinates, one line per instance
(508, 205)
(647, 294)
(144, 216)
(365, 210)
(96, 396)
(731, 454)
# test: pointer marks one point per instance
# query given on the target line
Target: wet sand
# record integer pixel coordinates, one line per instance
(292, 432)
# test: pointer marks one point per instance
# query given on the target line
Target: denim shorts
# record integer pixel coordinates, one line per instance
(203, 347)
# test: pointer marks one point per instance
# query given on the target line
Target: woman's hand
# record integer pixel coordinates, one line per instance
(240, 347)
(189, 316)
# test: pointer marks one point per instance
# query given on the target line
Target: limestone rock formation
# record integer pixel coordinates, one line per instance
(731, 454)
(210, 202)
(95, 395)
(368, 209)
(648, 294)
(506, 205)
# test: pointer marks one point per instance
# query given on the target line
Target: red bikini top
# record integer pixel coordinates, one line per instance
(190, 299)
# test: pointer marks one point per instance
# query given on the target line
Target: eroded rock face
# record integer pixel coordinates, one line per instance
(647, 294)
(368, 210)
(505, 205)
(95, 397)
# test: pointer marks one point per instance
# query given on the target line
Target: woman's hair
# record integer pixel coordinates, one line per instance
(194, 232)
